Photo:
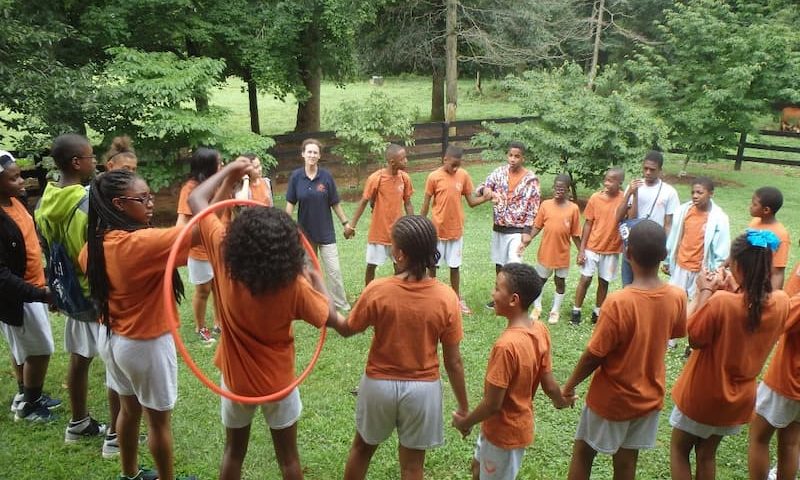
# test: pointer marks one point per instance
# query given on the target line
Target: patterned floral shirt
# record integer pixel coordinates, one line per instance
(515, 209)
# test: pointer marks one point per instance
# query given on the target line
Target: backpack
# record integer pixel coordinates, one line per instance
(64, 281)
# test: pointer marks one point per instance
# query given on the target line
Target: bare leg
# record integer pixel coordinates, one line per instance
(199, 304)
(113, 408)
(788, 451)
(455, 280)
(160, 442)
(580, 291)
(580, 468)
(561, 285)
(236, 441)
(285, 442)
(130, 415)
(476, 469)
(412, 463)
(358, 460)
(706, 453)
(602, 291)
(369, 274)
(432, 272)
(758, 447)
(34, 371)
(78, 381)
(625, 464)
(681, 446)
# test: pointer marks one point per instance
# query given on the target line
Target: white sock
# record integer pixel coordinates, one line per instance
(576, 309)
(557, 299)
(538, 302)
(596, 310)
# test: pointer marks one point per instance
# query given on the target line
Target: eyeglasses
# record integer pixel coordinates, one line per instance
(143, 199)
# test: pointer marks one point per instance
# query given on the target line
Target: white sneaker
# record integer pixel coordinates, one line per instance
(773, 474)
(553, 318)
(536, 313)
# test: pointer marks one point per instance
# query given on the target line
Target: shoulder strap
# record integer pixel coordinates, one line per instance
(84, 200)
(655, 200)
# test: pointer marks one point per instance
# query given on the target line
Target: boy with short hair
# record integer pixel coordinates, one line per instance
(626, 354)
(389, 191)
(560, 219)
(764, 206)
(445, 186)
(519, 362)
(600, 243)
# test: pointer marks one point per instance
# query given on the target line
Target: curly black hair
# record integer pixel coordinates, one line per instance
(415, 235)
(524, 281)
(647, 244)
(756, 265)
(262, 249)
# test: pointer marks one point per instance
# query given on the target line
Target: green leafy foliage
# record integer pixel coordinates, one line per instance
(577, 130)
(364, 126)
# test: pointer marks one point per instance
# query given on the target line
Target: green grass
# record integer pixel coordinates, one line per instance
(327, 424)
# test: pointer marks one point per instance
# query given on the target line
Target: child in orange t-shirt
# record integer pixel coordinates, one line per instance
(124, 261)
(203, 163)
(600, 243)
(388, 191)
(735, 320)
(259, 262)
(626, 354)
(764, 206)
(519, 362)
(445, 186)
(411, 314)
(560, 220)
(778, 405)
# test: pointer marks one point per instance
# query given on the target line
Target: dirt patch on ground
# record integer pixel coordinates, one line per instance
(688, 179)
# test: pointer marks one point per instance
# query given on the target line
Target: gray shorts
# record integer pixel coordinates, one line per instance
(413, 407)
(497, 463)
(505, 247)
(278, 415)
(81, 338)
(34, 337)
(680, 421)
(378, 253)
(777, 410)
(200, 271)
(608, 436)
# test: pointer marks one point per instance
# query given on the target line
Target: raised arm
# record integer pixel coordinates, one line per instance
(219, 184)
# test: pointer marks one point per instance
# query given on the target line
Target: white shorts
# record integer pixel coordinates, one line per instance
(776, 409)
(605, 265)
(680, 421)
(685, 279)
(413, 407)
(497, 463)
(146, 369)
(607, 436)
(278, 415)
(451, 252)
(545, 272)
(81, 337)
(200, 271)
(34, 337)
(378, 253)
(505, 247)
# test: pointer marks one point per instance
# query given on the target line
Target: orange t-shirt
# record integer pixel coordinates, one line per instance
(256, 351)
(780, 258)
(197, 252)
(559, 222)
(718, 384)
(514, 178)
(410, 319)
(446, 191)
(690, 249)
(135, 264)
(631, 337)
(601, 210)
(518, 359)
(792, 286)
(392, 193)
(782, 372)
(34, 270)
(261, 192)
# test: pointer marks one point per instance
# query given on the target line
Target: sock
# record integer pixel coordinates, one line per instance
(596, 310)
(21, 387)
(576, 309)
(32, 394)
(557, 299)
(75, 423)
(538, 302)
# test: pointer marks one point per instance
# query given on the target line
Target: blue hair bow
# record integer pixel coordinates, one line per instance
(763, 239)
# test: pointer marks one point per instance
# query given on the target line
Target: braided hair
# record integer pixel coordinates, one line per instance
(104, 217)
(415, 235)
(756, 267)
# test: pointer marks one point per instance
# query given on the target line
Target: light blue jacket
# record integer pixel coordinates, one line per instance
(716, 243)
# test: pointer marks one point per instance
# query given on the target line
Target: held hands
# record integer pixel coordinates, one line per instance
(458, 423)
(349, 231)
(526, 240)
(581, 259)
(568, 396)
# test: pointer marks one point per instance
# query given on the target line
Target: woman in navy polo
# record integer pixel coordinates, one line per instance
(313, 190)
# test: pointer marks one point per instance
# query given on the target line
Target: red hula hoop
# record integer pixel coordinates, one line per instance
(172, 319)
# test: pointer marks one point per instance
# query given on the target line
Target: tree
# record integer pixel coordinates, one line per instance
(718, 66)
(577, 130)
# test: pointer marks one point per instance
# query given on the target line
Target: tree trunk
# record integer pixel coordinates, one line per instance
(437, 96)
(308, 111)
(598, 29)
(478, 87)
(252, 98)
(200, 98)
(451, 66)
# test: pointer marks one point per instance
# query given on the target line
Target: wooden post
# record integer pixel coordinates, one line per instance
(451, 65)
(445, 137)
(740, 152)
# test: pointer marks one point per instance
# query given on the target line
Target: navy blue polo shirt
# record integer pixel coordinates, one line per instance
(314, 199)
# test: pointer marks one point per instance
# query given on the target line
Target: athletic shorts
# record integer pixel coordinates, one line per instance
(680, 421)
(200, 271)
(545, 272)
(378, 253)
(497, 463)
(684, 279)
(81, 337)
(279, 415)
(505, 247)
(607, 436)
(34, 337)
(146, 369)
(777, 410)
(451, 252)
(605, 265)
(413, 407)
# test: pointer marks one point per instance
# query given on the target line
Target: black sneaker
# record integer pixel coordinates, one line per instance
(36, 412)
(575, 318)
(49, 402)
(86, 428)
(594, 317)
(142, 474)
(490, 305)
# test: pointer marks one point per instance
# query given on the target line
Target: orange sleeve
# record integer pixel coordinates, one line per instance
(363, 311)
(371, 185)
(538, 222)
(429, 184)
(576, 221)
(183, 198)
(679, 328)
(212, 230)
(500, 368)
(792, 325)
(409, 188)
(702, 326)
(469, 187)
(606, 335)
(781, 257)
(454, 332)
(312, 306)
(588, 212)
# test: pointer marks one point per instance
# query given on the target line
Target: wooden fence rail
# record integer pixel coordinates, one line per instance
(740, 157)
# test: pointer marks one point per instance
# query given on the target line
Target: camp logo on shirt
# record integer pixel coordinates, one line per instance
(567, 222)
(401, 187)
(458, 186)
(321, 188)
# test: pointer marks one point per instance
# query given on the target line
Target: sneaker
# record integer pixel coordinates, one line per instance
(88, 427)
(672, 343)
(36, 412)
(552, 319)
(216, 331)
(536, 313)
(687, 352)
(464, 308)
(142, 474)
(773, 474)
(18, 398)
(205, 336)
(49, 403)
(594, 316)
(576, 317)
(490, 305)
(111, 445)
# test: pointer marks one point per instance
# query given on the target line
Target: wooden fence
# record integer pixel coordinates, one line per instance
(740, 157)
